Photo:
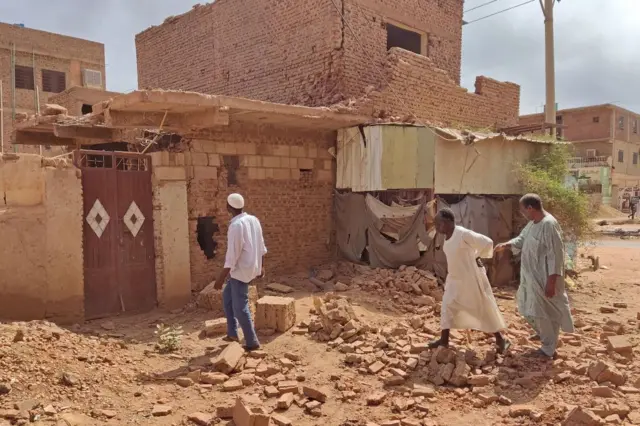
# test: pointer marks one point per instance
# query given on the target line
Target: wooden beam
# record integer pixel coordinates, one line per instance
(40, 138)
(86, 132)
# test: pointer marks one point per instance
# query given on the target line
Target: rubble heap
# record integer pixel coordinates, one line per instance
(411, 288)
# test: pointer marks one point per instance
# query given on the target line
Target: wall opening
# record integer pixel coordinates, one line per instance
(205, 229)
(403, 38)
(87, 109)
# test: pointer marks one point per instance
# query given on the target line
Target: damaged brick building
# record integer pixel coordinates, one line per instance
(384, 58)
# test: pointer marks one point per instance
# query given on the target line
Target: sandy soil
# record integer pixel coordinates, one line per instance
(109, 372)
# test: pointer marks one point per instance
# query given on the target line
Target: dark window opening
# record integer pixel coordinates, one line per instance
(635, 158)
(596, 119)
(231, 163)
(53, 81)
(86, 109)
(621, 123)
(405, 39)
(635, 126)
(24, 78)
(620, 156)
(205, 229)
(559, 129)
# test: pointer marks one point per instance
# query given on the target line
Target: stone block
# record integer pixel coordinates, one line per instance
(169, 173)
(620, 344)
(215, 327)
(278, 313)
(211, 299)
(228, 359)
(246, 413)
(315, 393)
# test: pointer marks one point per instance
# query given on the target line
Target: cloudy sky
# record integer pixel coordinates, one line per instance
(597, 43)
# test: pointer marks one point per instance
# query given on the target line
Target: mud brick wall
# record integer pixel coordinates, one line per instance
(303, 52)
(287, 179)
(279, 51)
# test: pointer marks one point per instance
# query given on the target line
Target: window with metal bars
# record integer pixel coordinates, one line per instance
(53, 81)
(24, 77)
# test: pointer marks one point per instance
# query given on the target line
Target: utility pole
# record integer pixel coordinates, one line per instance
(550, 68)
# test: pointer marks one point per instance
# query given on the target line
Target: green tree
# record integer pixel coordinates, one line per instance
(545, 175)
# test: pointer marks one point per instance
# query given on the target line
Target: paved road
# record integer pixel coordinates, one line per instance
(619, 243)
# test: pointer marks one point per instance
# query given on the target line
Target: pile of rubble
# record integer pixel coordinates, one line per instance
(411, 288)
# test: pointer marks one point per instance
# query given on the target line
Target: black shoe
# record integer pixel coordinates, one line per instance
(251, 348)
(230, 339)
(437, 343)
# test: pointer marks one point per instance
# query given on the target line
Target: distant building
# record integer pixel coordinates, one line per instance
(35, 66)
(382, 58)
(606, 145)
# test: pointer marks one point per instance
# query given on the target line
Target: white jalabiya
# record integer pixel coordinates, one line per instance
(468, 301)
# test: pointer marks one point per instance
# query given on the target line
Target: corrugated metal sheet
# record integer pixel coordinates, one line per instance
(359, 160)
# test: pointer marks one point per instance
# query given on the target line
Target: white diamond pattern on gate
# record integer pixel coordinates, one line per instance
(134, 218)
(98, 218)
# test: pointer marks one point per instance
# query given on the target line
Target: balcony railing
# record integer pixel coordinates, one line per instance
(581, 162)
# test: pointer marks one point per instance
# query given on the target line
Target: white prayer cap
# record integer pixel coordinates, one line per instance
(236, 201)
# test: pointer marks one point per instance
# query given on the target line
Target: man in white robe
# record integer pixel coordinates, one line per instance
(542, 297)
(468, 302)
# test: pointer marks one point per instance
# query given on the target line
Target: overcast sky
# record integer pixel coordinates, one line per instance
(597, 43)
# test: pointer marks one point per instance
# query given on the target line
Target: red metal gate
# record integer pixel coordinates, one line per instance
(119, 260)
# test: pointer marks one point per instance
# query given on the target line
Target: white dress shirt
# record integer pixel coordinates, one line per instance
(245, 248)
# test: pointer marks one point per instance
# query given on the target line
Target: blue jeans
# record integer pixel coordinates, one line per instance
(235, 298)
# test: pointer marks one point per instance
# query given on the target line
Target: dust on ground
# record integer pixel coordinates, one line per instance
(110, 372)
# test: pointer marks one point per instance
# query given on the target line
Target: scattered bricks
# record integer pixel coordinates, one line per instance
(292, 356)
(581, 417)
(201, 419)
(521, 411)
(225, 411)
(215, 327)
(410, 422)
(503, 400)
(274, 312)
(280, 420)
(286, 363)
(271, 391)
(602, 392)
(417, 348)
(161, 410)
(425, 391)
(228, 359)
(213, 378)
(288, 386)
(480, 380)
(376, 398)
(232, 385)
(184, 382)
(620, 305)
(242, 415)
(285, 401)
(318, 394)
(376, 367)
(619, 344)
(608, 310)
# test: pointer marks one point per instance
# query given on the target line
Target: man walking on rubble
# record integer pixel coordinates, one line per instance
(542, 298)
(243, 261)
(468, 301)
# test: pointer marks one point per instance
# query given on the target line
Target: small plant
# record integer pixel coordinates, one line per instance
(168, 338)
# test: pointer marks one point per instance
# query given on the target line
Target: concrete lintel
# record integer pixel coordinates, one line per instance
(173, 121)
(40, 138)
(86, 132)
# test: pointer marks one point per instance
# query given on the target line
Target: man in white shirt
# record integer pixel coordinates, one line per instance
(245, 249)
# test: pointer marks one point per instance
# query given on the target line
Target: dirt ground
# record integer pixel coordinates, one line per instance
(109, 371)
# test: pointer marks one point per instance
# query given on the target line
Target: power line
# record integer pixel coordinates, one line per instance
(499, 12)
(481, 5)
